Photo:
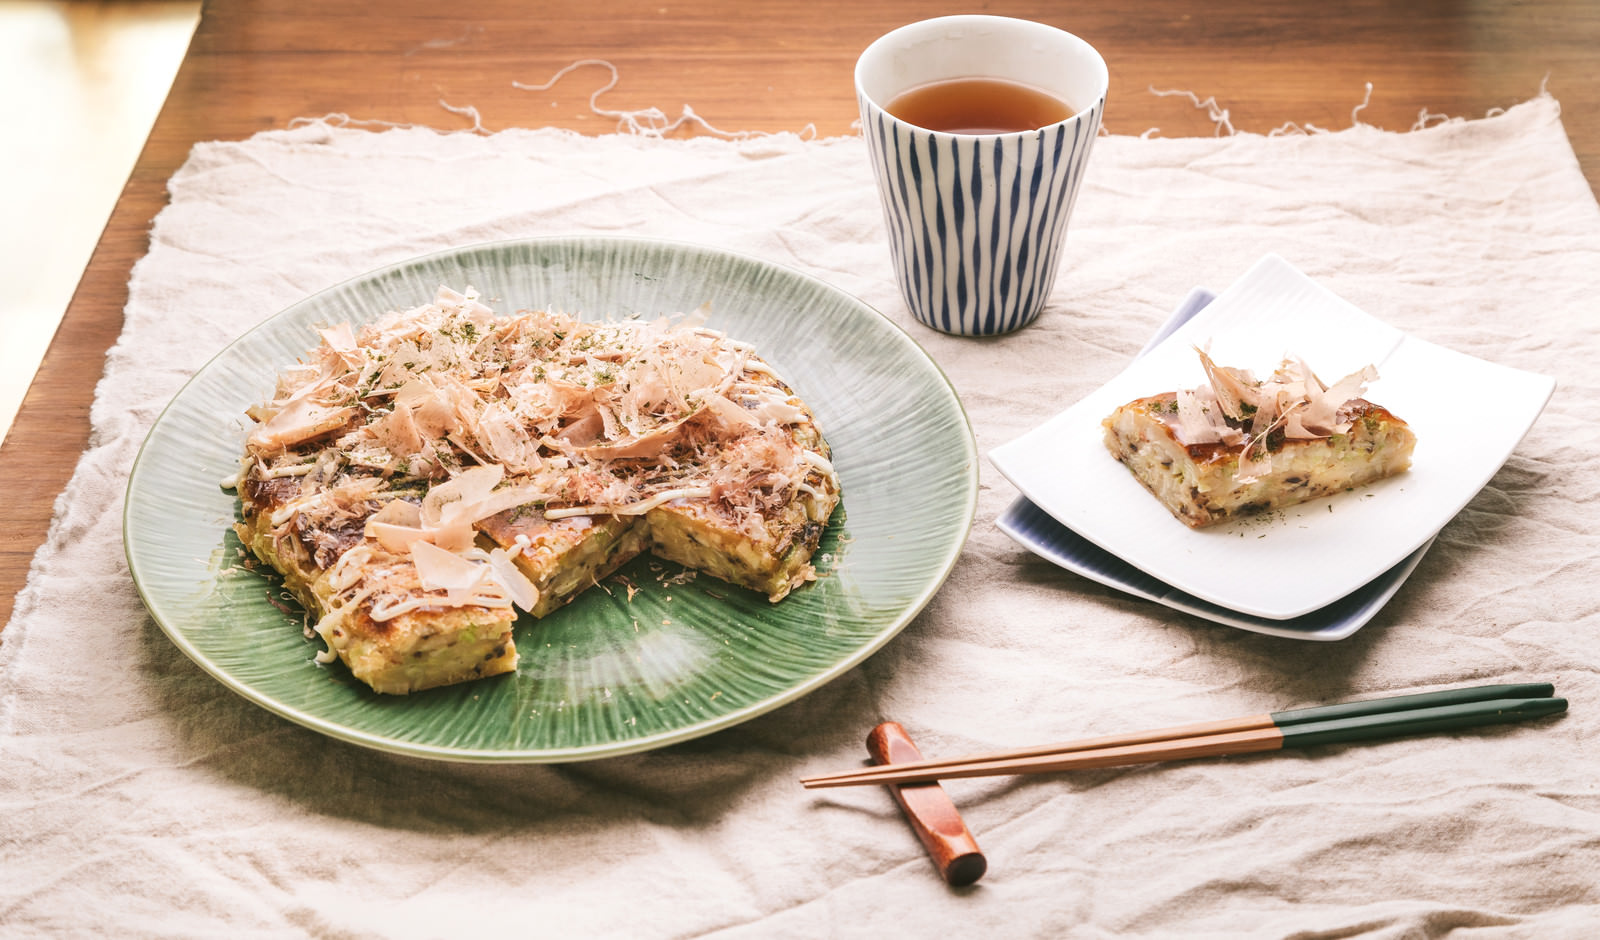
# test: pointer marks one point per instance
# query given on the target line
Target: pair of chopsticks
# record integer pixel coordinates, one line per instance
(1348, 722)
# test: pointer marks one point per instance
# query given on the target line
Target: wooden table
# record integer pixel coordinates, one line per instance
(763, 65)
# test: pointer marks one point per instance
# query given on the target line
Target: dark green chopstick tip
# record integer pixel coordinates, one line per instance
(1396, 703)
(1417, 721)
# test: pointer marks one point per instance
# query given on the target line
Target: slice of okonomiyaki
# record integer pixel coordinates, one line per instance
(1240, 445)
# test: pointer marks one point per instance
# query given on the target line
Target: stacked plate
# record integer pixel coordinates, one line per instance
(1317, 571)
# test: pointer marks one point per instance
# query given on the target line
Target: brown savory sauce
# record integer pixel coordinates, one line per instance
(979, 106)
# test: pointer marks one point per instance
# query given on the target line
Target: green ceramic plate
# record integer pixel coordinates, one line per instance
(609, 674)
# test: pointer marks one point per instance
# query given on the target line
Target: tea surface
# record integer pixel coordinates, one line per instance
(979, 106)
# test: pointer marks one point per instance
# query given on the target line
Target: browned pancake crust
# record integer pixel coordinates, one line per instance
(1200, 484)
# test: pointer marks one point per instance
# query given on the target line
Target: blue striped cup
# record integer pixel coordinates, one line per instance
(976, 221)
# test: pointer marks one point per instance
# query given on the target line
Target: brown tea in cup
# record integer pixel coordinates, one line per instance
(979, 106)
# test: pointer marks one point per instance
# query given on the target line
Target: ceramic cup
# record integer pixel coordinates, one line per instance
(976, 221)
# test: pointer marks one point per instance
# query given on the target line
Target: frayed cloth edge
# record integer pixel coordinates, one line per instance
(654, 123)
(1223, 123)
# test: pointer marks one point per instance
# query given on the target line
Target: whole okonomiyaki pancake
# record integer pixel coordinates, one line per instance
(419, 480)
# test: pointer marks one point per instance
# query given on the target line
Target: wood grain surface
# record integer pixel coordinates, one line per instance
(929, 811)
(760, 65)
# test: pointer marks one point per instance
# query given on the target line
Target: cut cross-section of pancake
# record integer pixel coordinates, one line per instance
(394, 623)
(1238, 445)
(564, 557)
(769, 493)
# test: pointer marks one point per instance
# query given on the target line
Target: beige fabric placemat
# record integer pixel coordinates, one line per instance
(138, 797)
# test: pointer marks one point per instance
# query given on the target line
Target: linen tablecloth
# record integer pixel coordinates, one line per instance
(138, 797)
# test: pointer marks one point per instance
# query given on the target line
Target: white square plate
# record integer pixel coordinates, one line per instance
(1041, 534)
(1468, 415)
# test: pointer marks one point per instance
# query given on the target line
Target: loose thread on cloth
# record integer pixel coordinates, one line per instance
(467, 111)
(1292, 128)
(1426, 118)
(1214, 111)
(653, 121)
(643, 122)
(1223, 121)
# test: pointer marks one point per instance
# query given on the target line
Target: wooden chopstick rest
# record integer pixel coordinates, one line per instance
(930, 810)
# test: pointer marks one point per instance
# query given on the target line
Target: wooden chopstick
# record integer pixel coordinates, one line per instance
(1266, 721)
(1349, 721)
